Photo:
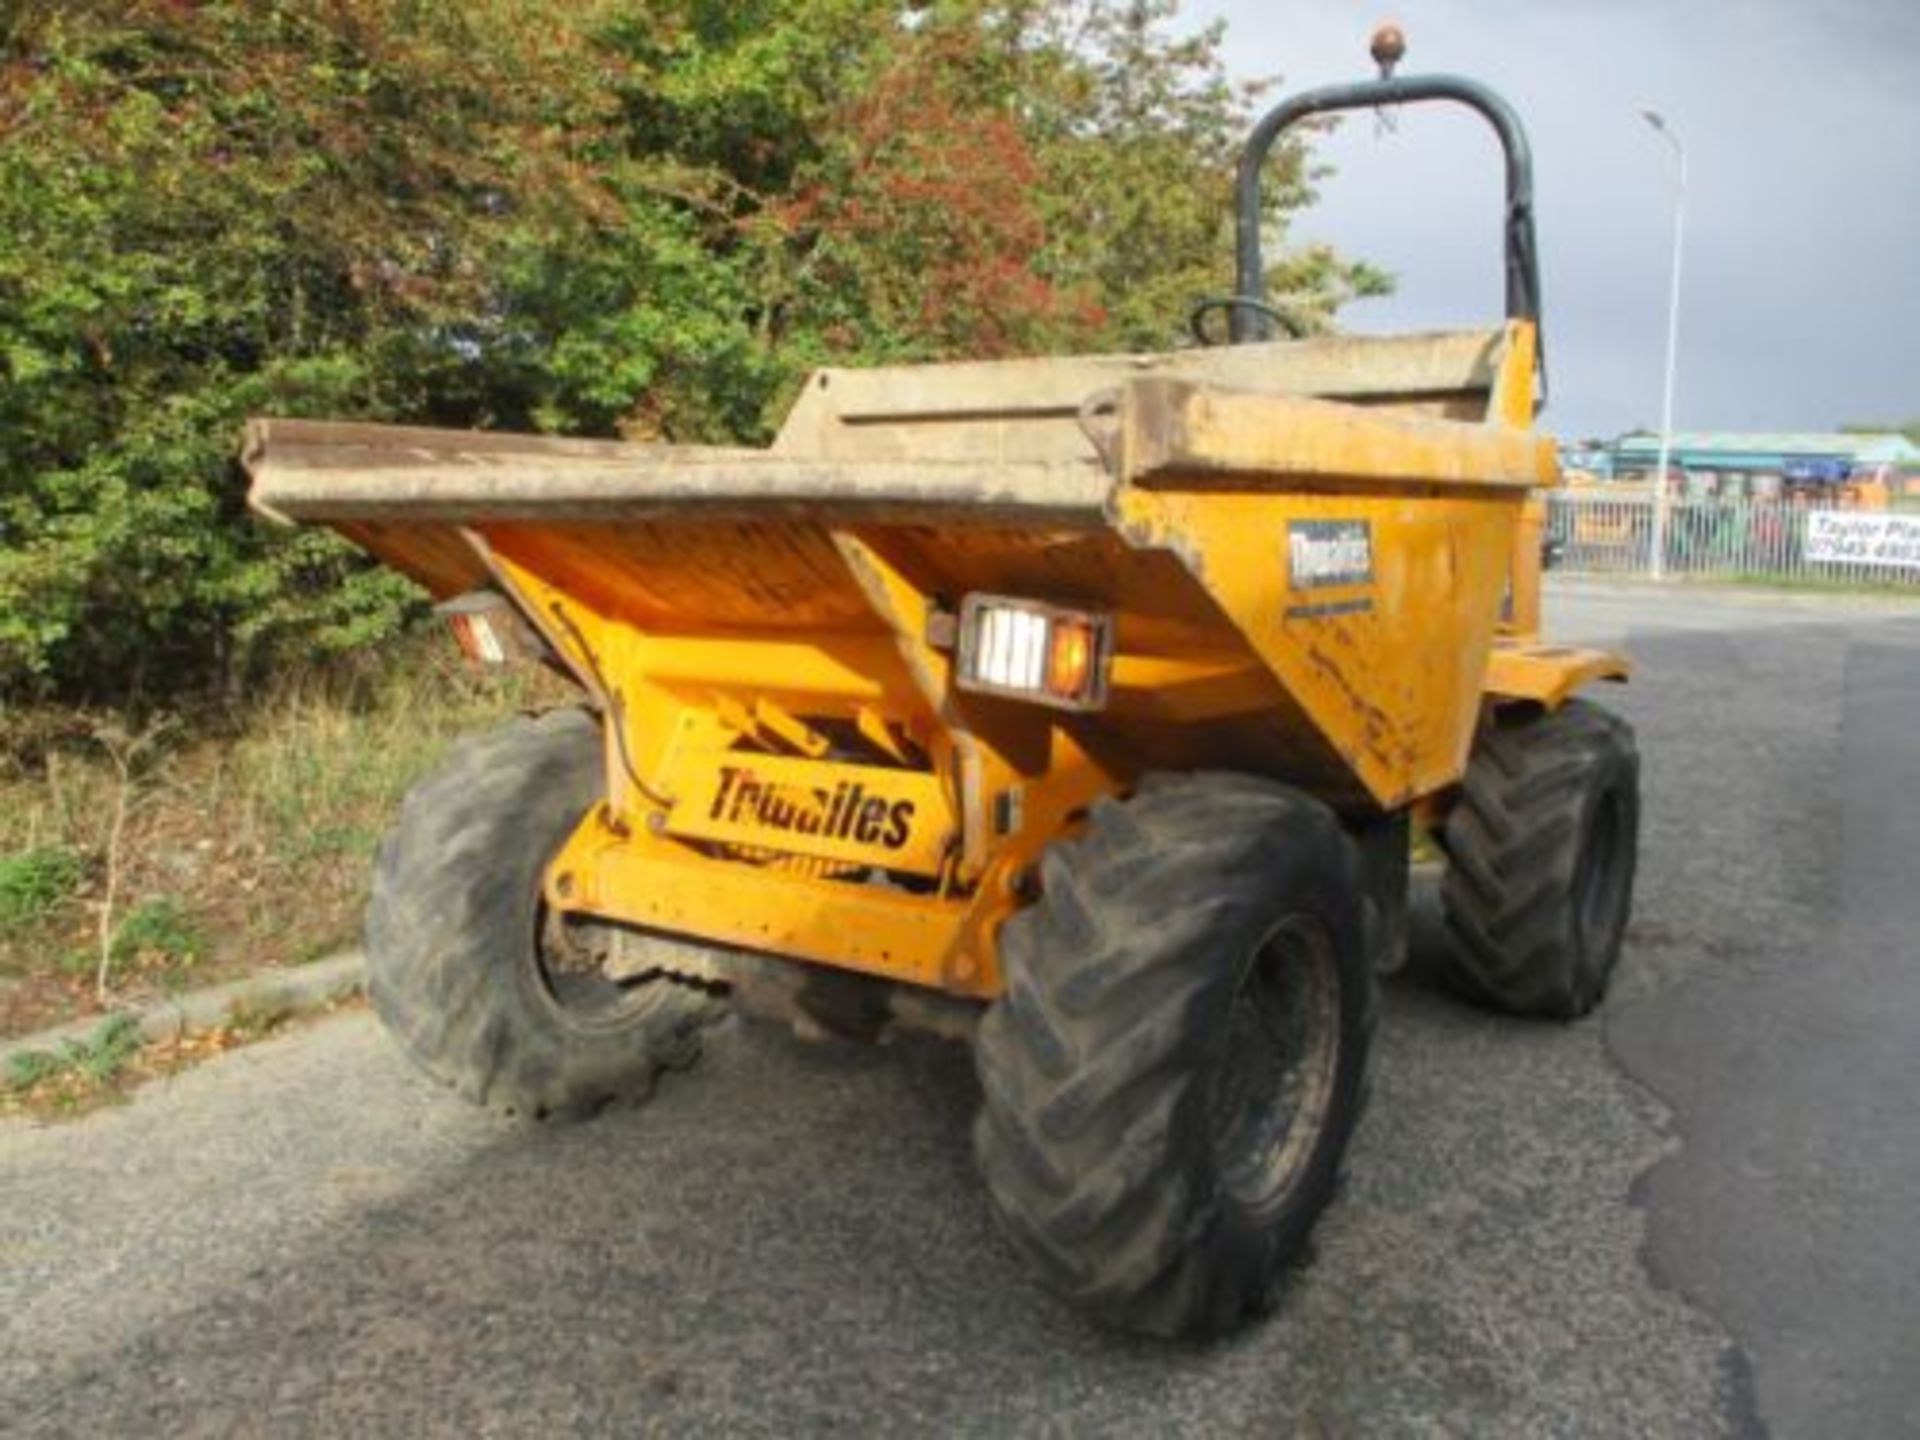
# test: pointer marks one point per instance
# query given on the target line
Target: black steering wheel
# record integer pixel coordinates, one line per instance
(1197, 319)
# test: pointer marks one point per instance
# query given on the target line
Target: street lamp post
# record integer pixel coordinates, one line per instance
(1661, 499)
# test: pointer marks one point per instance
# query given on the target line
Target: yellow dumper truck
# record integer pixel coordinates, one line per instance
(1080, 706)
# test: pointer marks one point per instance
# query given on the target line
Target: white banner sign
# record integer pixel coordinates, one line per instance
(1863, 537)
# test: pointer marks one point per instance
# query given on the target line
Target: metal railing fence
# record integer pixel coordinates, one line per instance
(1743, 539)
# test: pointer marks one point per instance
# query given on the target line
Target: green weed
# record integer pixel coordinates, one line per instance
(160, 929)
(96, 1061)
(36, 882)
(77, 963)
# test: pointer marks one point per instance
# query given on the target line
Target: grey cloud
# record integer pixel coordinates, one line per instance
(1801, 305)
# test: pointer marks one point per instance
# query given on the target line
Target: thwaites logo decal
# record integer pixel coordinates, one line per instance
(846, 812)
(862, 814)
(1322, 554)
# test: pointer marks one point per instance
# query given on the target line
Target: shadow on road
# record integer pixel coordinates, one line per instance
(792, 1239)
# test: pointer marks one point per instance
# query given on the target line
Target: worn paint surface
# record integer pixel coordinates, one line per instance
(1327, 591)
(1549, 674)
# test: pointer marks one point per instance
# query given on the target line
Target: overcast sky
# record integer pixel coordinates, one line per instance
(1800, 299)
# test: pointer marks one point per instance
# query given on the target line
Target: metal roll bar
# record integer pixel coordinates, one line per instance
(1246, 321)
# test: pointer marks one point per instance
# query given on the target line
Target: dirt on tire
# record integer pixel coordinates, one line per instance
(1541, 851)
(456, 929)
(1105, 1063)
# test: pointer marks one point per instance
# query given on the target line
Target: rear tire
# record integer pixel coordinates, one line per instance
(1541, 851)
(1177, 1063)
(463, 959)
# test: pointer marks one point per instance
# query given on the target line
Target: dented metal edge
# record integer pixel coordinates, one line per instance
(1177, 431)
(759, 486)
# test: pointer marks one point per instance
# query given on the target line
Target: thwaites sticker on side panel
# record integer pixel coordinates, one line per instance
(1322, 554)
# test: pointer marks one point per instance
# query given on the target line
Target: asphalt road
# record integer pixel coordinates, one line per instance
(1693, 1214)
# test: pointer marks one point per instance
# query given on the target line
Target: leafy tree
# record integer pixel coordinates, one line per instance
(639, 217)
(211, 210)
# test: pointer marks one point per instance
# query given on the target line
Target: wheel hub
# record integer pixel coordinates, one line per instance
(1275, 1081)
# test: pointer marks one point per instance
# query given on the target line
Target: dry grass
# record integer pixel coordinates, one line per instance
(247, 835)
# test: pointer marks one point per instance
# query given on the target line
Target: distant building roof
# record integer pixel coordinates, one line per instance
(1735, 449)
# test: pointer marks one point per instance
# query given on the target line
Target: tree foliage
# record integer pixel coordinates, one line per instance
(639, 217)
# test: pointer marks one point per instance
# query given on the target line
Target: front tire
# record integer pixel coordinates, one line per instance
(468, 970)
(1541, 852)
(1177, 1063)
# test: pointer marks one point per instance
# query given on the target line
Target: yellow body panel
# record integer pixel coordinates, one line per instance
(606, 869)
(1358, 658)
(1330, 592)
(1548, 674)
